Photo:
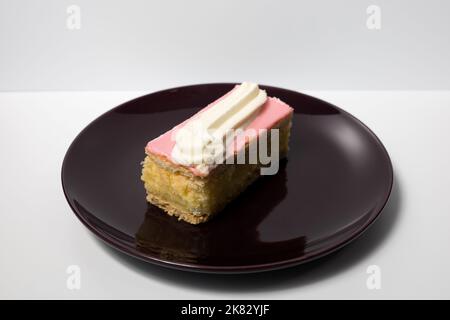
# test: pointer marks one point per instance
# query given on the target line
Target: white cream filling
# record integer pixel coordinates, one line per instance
(201, 142)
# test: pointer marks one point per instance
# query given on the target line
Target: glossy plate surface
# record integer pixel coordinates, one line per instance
(335, 182)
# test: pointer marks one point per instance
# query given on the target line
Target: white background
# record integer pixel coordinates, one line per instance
(139, 44)
(127, 49)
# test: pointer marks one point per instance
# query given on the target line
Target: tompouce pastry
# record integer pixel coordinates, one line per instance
(193, 170)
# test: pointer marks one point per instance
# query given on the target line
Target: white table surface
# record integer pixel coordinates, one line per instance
(40, 236)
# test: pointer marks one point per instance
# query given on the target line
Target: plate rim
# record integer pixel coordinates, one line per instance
(238, 269)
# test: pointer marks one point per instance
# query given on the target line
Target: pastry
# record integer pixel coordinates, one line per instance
(193, 170)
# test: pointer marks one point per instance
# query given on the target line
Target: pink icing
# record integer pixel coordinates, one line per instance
(271, 112)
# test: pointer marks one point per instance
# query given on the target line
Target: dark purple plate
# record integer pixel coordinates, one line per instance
(334, 184)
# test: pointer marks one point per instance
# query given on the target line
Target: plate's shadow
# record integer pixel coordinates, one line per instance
(301, 275)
